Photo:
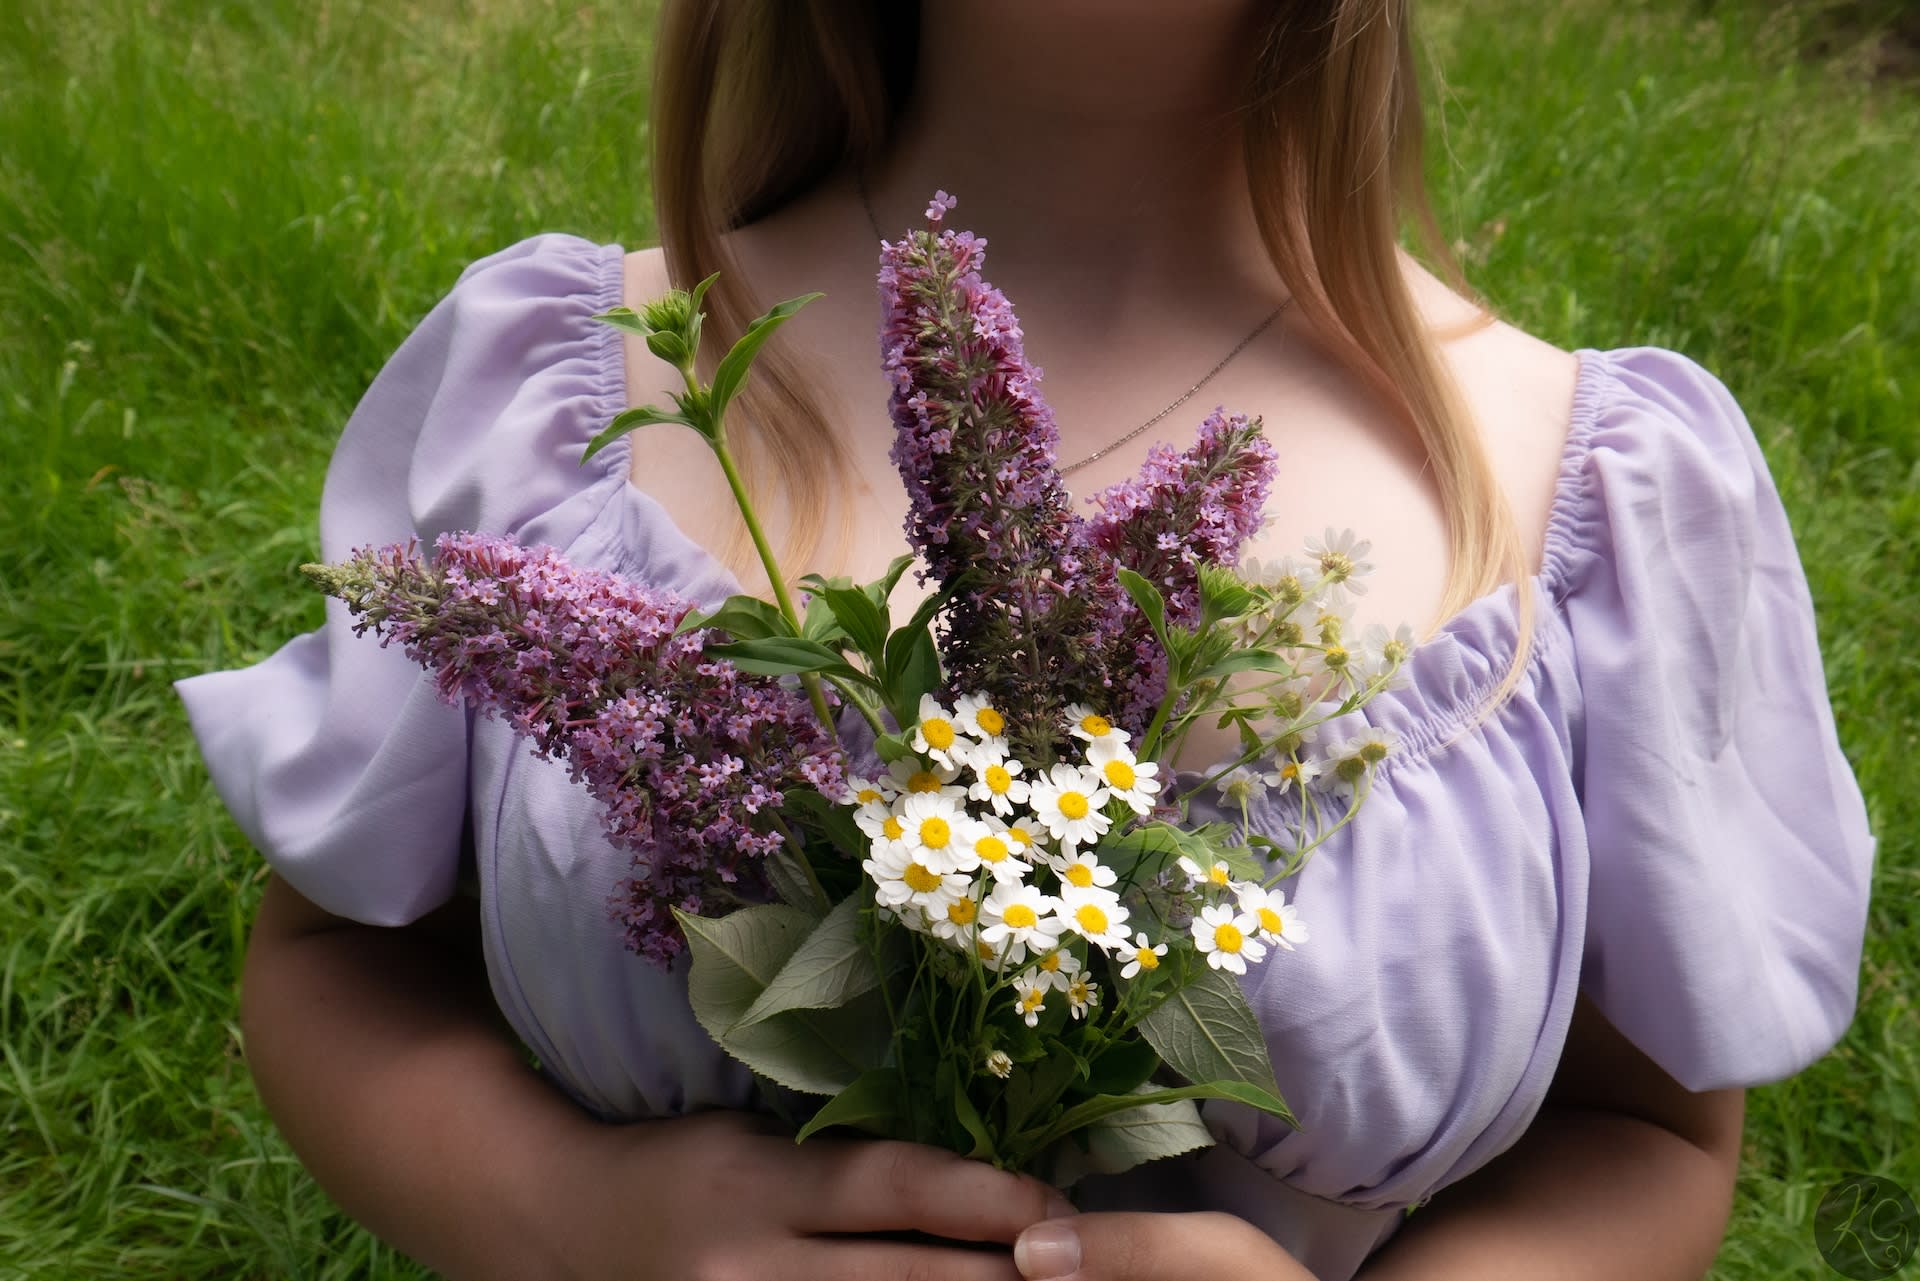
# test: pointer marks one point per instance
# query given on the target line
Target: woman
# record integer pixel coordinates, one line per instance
(1588, 905)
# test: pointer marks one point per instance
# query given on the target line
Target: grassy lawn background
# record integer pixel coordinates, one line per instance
(218, 219)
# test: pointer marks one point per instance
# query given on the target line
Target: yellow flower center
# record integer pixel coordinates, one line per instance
(990, 721)
(919, 879)
(998, 780)
(1119, 773)
(1079, 874)
(1270, 920)
(938, 731)
(961, 911)
(892, 828)
(923, 781)
(1078, 991)
(1218, 874)
(1073, 805)
(1290, 771)
(1097, 726)
(1373, 751)
(1148, 958)
(1020, 916)
(991, 849)
(867, 796)
(934, 833)
(1021, 836)
(1050, 962)
(1032, 1000)
(1336, 657)
(1228, 937)
(1090, 919)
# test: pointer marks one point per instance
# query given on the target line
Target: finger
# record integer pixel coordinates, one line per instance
(1141, 1247)
(884, 1185)
(836, 1259)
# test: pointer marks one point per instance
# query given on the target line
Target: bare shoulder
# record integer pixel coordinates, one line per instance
(1520, 389)
(672, 466)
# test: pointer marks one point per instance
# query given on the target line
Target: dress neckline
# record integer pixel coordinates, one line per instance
(1451, 675)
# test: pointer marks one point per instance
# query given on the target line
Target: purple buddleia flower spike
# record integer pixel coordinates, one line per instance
(685, 753)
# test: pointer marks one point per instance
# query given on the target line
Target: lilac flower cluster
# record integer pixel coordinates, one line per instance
(1039, 619)
(686, 754)
(974, 443)
(1183, 509)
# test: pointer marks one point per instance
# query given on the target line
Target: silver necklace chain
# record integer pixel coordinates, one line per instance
(874, 222)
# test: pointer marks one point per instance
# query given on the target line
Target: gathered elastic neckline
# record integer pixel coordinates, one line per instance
(1454, 673)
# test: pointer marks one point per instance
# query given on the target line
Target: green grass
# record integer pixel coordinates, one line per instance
(218, 219)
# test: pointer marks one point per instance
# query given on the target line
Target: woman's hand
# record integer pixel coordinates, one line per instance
(1152, 1247)
(723, 1195)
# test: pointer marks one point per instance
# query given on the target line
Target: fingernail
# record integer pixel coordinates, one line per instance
(1047, 1249)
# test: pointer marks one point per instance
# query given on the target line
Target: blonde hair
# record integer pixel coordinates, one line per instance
(756, 101)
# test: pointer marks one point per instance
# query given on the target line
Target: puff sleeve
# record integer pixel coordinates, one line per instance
(1729, 846)
(334, 755)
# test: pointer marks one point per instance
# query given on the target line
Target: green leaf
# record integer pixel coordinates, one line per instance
(865, 625)
(880, 590)
(1101, 1106)
(875, 1103)
(1117, 1143)
(625, 318)
(668, 346)
(787, 655)
(790, 883)
(1033, 1088)
(950, 1082)
(700, 292)
(830, 968)
(820, 624)
(832, 821)
(1148, 598)
(1123, 1066)
(734, 959)
(744, 618)
(1206, 1031)
(917, 675)
(1246, 660)
(893, 747)
(644, 416)
(731, 374)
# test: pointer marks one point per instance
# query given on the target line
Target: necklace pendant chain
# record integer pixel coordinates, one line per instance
(873, 221)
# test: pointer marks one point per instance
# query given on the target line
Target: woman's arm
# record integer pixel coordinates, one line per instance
(1624, 1173)
(380, 1056)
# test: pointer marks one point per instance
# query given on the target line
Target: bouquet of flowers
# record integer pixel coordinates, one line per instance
(935, 881)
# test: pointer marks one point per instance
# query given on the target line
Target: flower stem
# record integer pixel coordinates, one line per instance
(811, 680)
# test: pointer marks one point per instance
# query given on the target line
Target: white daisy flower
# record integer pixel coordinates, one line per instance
(1029, 998)
(885, 829)
(1226, 938)
(1010, 952)
(1242, 784)
(1081, 994)
(1373, 744)
(1067, 802)
(1219, 875)
(862, 791)
(955, 921)
(1026, 836)
(1288, 578)
(1340, 559)
(936, 735)
(1057, 966)
(1141, 954)
(1384, 652)
(994, 847)
(1290, 773)
(1000, 1064)
(901, 878)
(911, 776)
(1082, 872)
(1133, 781)
(980, 720)
(1095, 915)
(1084, 722)
(1278, 921)
(998, 783)
(933, 827)
(1021, 913)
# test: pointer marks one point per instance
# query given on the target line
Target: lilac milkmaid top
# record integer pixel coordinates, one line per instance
(1662, 816)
